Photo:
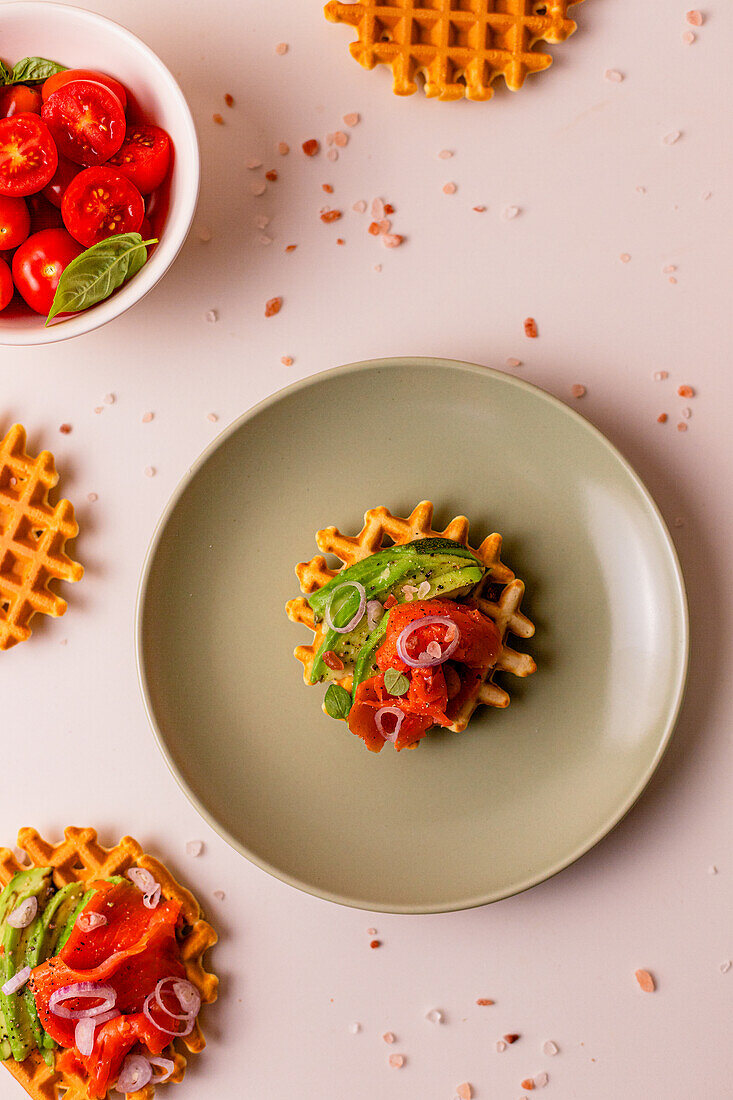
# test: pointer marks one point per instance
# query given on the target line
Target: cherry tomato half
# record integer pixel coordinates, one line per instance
(39, 263)
(19, 100)
(28, 156)
(15, 222)
(6, 284)
(54, 191)
(59, 79)
(144, 157)
(86, 120)
(99, 203)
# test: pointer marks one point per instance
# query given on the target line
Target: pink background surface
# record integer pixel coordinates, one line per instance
(571, 150)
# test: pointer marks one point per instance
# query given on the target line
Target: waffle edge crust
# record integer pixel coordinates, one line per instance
(501, 604)
(81, 858)
(459, 47)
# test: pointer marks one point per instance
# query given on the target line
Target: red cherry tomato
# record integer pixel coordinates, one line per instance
(39, 263)
(6, 284)
(144, 157)
(43, 214)
(59, 79)
(99, 203)
(15, 222)
(28, 156)
(54, 191)
(19, 100)
(86, 120)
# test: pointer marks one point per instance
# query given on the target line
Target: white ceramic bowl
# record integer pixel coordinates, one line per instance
(83, 39)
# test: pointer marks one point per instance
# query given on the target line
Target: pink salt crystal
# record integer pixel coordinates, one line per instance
(500, 1046)
(550, 1048)
(669, 269)
(92, 498)
(449, 188)
(479, 209)
(287, 360)
(578, 390)
(377, 268)
(262, 221)
(377, 209)
(99, 409)
(281, 48)
(613, 76)
(688, 38)
(264, 239)
(660, 375)
(541, 1080)
(641, 190)
(194, 848)
(385, 225)
(333, 154)
(212, 417)
(341, 139)
(389, 1036)
(254, 164)
(511, 212)
(283, 148)
(512, 362)
(464, 1091)
(392, 240)
(624, 257)
(110, 399)
(352, 119)
(694, 18)
(397, 1061)
(672, 280)
(219, 895)
(258, 189)
(150, 471)
(359, 207)
(203, 233)
(672, 137)
(147, 417)
(445, 154)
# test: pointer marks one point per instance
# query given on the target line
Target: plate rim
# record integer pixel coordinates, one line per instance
(676, 699)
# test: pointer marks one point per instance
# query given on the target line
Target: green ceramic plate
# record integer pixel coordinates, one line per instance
(465, 818)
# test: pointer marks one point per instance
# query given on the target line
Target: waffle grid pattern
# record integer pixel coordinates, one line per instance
(81, 858)
(499, 597)
(33, 537)
(460, 47)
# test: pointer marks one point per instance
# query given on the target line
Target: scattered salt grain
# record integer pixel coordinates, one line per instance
(641, 190)
(212, 417)
(550, 1049)
(694, 18)
(464, 1091)
(712, 869)
(273, 306)
(194, 848)
(341, 139)
(332, 154)
(283, 148)
(212, 316)
(613, 76)
(262, 221)
(359, 207)
(311, 147)
(530, 328)
(484, 1001)
(219, 895)
(65, 429)
(725, 966)
(500, 1046)
(92, 498)
(435, 1016)
(203, 233)
(578, 390)
(706, 195)
(541, 1080)
(397, 1061)
(264, 239)
(150, 471)
(353, 118)
(377, 268)
(147, 417)
(669, 268)
(371, 931)
(643, 977)
(282, 48)
(422, 591)
(392, 240)
(287, 360)
(510, 213)
(479, 209)
(449, 188)
(377, 209)
(254, 164)
(681, 427)
(660, 375)
(672, 137)
(445, 154)
(355, 1028)
(512, 362)
(110, 399)
(688, 38)
(258, 189)
(687, 412)
(389, 1037)
(624, 257)
(679, 522)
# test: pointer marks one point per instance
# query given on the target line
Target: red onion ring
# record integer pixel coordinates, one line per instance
(17, 982)
(357, 618)
(399, 715)
(135, 1074)
(87, 922)
(84, 1035)
(374, 611)
(166, 1064)
(142, 879)
(151, 901)
(25, 914)
(177, 1033)
(424, 661)
(185, 992)
(82, 990)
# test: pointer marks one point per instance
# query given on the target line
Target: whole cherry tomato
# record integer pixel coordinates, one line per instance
(144, 157)
(44, 215)
(86, 120)
(19, 100)
(68, 75)
(99, 203)
(28, 156)
(54, 191)
(15, 222)
(6, 284)
(39, 263)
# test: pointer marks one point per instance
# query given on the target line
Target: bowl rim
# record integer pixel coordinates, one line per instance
(169, 247)
(675, 703)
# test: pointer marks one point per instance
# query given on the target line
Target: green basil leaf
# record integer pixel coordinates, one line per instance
(34, 69)
(5, 74)
(396, 682)
(337, 701)
(96, 273)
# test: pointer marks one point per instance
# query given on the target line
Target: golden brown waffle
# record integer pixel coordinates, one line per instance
(499, 596)
(460, 47)
(80, 858)
(33, 537)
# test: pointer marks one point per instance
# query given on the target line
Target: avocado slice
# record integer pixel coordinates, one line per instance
(43, 943)
(450, 569)
(73, 914)
(22, 1026)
